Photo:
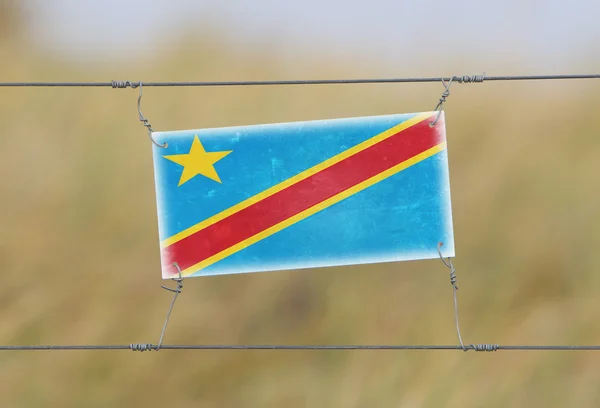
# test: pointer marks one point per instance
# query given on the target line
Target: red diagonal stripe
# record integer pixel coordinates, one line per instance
(302, 195)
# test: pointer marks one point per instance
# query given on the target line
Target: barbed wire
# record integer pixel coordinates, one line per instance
(459, 79)
(151, 347)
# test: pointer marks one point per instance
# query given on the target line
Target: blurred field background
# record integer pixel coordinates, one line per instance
(80, 257)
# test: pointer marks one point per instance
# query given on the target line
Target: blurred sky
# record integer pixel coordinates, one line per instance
(545, 35)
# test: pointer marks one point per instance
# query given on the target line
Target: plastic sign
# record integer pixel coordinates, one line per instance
(303, 194)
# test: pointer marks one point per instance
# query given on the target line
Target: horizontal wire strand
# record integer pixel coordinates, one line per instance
(460, 79)
(151, 347)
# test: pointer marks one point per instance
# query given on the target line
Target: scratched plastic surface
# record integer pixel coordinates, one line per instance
(303, 194)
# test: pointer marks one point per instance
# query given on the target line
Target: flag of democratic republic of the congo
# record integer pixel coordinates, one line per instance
(303, 194)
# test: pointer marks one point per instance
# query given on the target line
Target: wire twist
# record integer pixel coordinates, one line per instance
(440, 104)
(453, 279)
(141, 115)
(142, 347)
(454, 290)
(177, 291)
(145, 122)
(465, 79)
(485, 347)
(150, 347)
(125, 84)
(469, 79)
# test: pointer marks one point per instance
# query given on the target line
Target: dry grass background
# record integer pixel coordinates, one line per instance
(80, 260)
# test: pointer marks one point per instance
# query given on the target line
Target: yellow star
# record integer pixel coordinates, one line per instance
(198, 161)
